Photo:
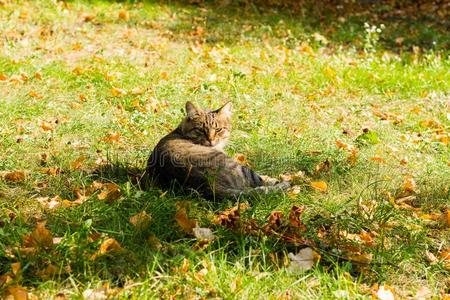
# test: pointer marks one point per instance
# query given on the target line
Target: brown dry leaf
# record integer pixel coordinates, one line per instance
(364, 258)
(124, 15)
(240, 158)
(186, 224)
(76, 164)
(52, 171)
(47, 272)
(15, 176)
(38, 75)
(46, 126)
(352, 150)
(294, 178)
(88, 17)
(154, 242)
(112, 137)
(110, 192)
(50, 203)
(409, 185)
(40, 237)
(319, 185)
(18, 292)
(295, 216)
(109, 245)
(15, 267)
(141, 219)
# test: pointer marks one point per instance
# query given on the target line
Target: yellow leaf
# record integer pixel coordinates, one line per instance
(46, 126)
(118, 91)
(15, 267)
(15, 176)
(18, 292)
(110, 192)
(41, 236)
(124, 15)
(38, 75)
(319, 185)
(52, 171)
(186, 224)
(409, 185)
(75, 105)
(164, 75)
(77, 71)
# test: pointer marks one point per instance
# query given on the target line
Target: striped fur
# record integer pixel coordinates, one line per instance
(192, 156)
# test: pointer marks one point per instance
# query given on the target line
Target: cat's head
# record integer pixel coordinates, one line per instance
(207, 128)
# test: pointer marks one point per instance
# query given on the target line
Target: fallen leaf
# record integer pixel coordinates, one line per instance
(377, 159)
(18, 292)
(302, 261)
(52, 171)
(423, 293)
(40, 237)
(110, 192)
(240, 158)
(409, 185)
(203, 234)
(112, 137)
(76, 164)
(47, 272)
(35, 94)
(124, 15)
(109, 245)
(383, 292)
(164, 75)
(95, 294)
(141, 219)
(15, 267)
(118, 91)
(154, 242)
(3, 77)
(50, 203)
(364, 258)
(38, 75)
(14, 176)
(46, 126)
(186, 224)
(319, 185)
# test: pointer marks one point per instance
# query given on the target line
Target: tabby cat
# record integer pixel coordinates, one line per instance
(192, 156)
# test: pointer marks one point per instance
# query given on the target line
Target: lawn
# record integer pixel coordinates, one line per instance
(352, 106)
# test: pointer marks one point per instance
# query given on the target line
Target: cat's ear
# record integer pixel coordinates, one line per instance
(191, 110)
(225, 110)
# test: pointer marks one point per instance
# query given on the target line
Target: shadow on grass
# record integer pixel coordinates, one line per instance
(338, 24)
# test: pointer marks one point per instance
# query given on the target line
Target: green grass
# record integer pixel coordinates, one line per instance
(293, 98)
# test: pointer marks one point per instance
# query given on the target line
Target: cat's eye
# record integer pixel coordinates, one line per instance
(218, 130)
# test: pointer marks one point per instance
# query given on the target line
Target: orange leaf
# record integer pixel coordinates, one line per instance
(110, 245)
(76, 164)
(186, 224)
(141, 219)
(15, 267)
(18, 292)
(319, 185)
(124, 15)
(112, 137)
(34, 94)
(46, 126)
(164, 75)
(110, 192)
(377, 159)
(38, 75)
